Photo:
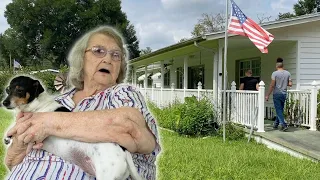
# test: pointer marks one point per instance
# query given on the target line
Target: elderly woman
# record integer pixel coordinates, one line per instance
(103, 110)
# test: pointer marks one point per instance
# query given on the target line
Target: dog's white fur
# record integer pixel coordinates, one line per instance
(107, 160)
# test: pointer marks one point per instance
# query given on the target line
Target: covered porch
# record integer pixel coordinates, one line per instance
(195, 67)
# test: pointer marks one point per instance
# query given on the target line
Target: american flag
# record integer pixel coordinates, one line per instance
(242, 25)
(16, 64)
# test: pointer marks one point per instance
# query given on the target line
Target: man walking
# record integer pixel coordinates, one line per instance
(280, 79)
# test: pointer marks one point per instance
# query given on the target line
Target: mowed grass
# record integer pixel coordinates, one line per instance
(196, 158)
(5, 121)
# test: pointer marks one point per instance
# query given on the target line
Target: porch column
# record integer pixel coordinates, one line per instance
(261, 101)
(162, 83)
(162, 74)
(134, 76)
(313, 108)
(185, 75)
(173, 75)
(215, 75)
(145, 84)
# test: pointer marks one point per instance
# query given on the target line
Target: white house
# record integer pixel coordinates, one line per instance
(200, 59)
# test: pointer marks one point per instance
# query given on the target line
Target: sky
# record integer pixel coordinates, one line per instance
(160, 23)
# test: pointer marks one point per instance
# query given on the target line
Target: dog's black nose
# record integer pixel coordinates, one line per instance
(6, 103)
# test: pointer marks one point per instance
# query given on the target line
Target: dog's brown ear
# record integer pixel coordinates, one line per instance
(37, 87)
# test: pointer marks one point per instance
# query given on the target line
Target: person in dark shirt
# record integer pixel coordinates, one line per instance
(249, 82)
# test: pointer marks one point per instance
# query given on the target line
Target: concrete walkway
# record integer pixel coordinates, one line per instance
(301, 140)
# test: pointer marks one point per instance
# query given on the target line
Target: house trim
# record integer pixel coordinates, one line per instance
(298, 71)
(169, 48)
(273, 25)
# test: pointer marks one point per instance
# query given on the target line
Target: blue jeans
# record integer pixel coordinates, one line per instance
(278, 101)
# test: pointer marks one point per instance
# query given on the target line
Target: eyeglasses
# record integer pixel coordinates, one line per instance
(100, 52)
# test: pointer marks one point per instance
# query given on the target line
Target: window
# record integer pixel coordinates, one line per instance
(242, 65)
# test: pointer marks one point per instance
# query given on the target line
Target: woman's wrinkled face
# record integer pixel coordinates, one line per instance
(102, 60)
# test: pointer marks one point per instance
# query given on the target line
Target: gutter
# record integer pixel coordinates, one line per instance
(204, 48)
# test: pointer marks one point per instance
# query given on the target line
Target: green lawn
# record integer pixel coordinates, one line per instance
(195, 158)
(210, 158)
(5, 120)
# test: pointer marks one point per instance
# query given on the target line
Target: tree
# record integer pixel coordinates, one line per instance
(49, 28)
(209, 23)
(306, 7)
(301, 8)
(285, 15)
(263, 18)
(183, 39)
(147, 50)
(11, 41)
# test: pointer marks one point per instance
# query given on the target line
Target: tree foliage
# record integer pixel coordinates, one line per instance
(263, 18)
(302, 7)
(285, 15)
(183, 39)
(209, 23)
(47, 29)
(11, 43)
(147, 50)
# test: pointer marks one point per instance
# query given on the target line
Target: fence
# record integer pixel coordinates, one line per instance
(246, 107)
(164, 96)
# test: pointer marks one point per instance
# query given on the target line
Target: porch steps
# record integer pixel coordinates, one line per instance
(296, 141)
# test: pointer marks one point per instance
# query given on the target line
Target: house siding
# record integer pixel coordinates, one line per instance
(308, 36)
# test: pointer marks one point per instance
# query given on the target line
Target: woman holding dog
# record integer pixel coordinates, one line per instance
(103, 110)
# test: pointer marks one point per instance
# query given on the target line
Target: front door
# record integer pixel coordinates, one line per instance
(195, 75)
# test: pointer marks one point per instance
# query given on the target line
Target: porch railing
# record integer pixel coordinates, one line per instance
(247, 107)
(164, 96)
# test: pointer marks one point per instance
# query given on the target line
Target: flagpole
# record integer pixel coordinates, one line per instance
(225, 72)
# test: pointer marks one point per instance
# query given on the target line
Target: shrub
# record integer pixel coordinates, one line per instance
(292, 111)
(233, 132)
(197, 117)
(168, 116)
(47, 80)
(194, 118)
(4, 78)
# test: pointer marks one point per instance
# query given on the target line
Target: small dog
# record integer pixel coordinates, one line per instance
(104, 160)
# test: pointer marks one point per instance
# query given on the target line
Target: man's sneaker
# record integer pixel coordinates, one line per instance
(284, 129)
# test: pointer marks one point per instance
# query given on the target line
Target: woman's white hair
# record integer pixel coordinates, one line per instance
(76, 55)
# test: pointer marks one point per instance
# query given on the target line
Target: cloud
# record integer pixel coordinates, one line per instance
(283, 5)
(158, 35)
(3, 21)
(162, 23)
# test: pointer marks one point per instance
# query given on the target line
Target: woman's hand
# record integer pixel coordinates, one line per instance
(17, 150)
(130, 130)
(30, 128)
